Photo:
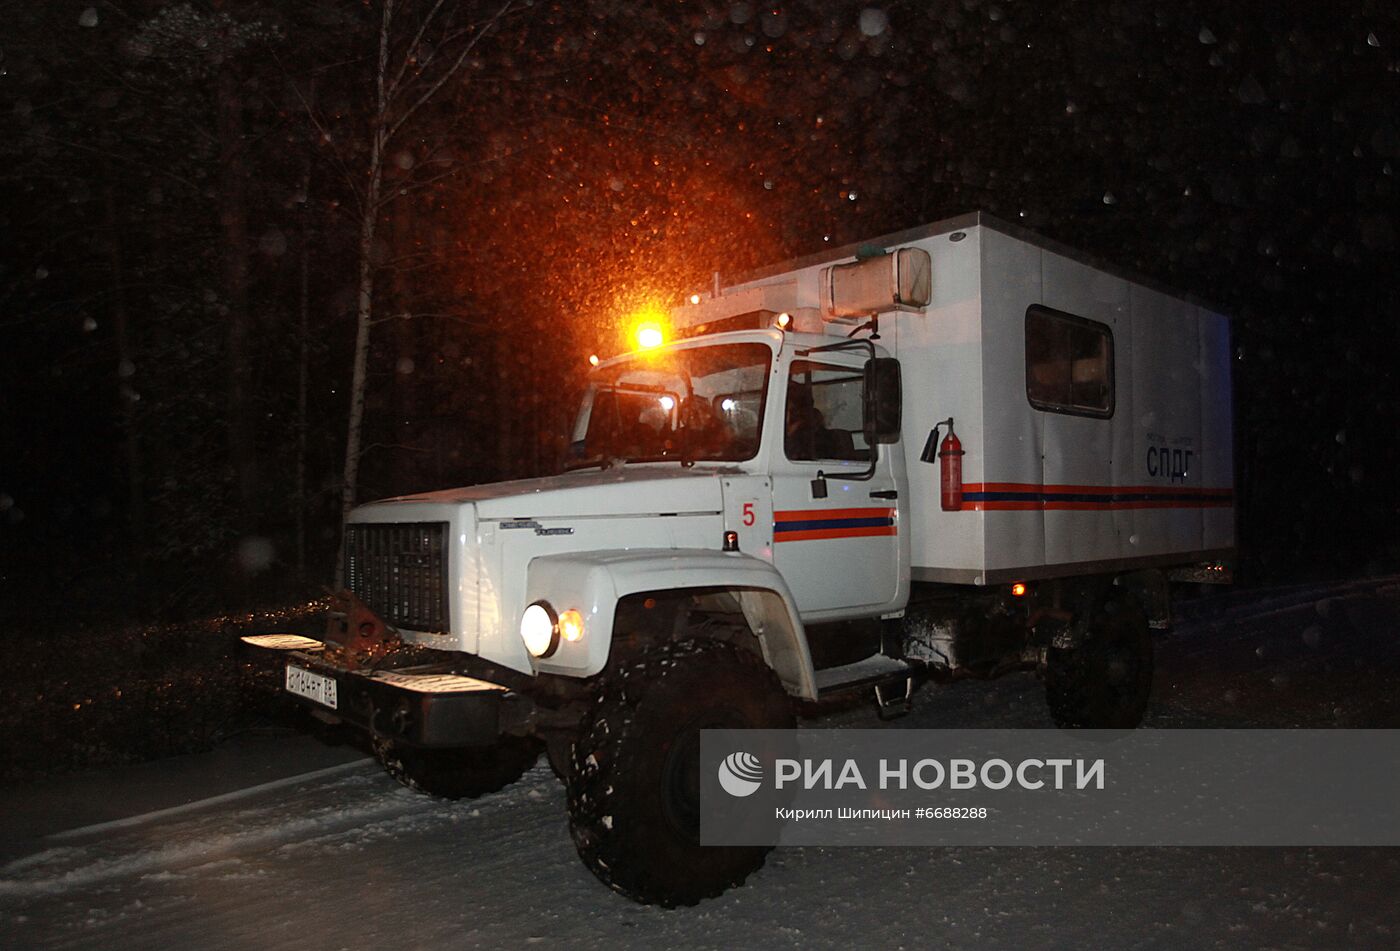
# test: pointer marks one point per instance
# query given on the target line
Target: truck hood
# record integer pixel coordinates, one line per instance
(624, 491)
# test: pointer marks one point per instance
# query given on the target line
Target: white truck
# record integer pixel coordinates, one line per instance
(959, 450)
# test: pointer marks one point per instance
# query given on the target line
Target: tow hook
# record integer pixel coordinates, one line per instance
(355, 636)
(390, 723)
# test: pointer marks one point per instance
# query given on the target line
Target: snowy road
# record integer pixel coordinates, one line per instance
(348, 859)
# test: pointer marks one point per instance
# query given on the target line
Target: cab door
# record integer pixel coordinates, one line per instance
(836, 540)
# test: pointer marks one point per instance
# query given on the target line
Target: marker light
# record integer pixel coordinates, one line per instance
(1018, 590)
(648, 336)
(571, 626)
(593, 359)
(695, 298)
(783, 320)
(539, 629)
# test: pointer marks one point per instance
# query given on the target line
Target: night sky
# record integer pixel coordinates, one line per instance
(184, 184)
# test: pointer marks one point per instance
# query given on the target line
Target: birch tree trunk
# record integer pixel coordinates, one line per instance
(364, 316)
(364, 297)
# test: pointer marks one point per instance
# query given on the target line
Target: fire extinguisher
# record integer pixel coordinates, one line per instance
(949, 456)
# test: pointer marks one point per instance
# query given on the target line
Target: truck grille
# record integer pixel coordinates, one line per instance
(399, 569)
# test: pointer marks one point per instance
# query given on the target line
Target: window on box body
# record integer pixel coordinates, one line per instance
(1069, 363)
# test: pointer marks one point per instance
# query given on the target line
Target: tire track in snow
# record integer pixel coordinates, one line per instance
(203, 837)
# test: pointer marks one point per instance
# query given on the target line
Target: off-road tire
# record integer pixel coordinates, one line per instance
(558, 752)
(1104, 682)
(633, 782)
(458, 773)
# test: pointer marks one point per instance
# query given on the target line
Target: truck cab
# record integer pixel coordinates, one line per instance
(780, 421)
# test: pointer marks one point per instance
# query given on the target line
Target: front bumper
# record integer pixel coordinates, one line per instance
(426, 706)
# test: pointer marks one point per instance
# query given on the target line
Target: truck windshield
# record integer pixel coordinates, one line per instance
(687, 405)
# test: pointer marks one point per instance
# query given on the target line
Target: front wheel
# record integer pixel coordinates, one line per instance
(458, 773)
(1105, 681)
(634, 784)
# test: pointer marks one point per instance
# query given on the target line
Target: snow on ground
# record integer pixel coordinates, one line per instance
(349, 859)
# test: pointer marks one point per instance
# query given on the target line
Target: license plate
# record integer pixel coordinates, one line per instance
(310, 685)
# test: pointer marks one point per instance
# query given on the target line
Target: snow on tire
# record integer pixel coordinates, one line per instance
(633, 778)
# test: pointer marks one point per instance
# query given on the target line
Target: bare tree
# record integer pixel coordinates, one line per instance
(409, 72)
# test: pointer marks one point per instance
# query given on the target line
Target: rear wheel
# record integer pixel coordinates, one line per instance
(458, 773)
(1105, 681)
(634, 784)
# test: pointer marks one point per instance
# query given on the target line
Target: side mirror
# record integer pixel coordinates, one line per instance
(883, 400)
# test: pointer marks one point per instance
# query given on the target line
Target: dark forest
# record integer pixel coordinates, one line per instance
(207, 202)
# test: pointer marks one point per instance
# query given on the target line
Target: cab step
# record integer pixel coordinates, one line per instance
(877, 670)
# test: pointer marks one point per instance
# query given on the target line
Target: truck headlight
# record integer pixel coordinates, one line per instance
(539, 629)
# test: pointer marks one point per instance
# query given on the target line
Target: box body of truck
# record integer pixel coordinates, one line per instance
(1094, 409)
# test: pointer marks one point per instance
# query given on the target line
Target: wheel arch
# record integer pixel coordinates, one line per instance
(596, 583)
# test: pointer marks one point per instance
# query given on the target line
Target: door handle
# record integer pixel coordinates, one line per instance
(884, 494)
